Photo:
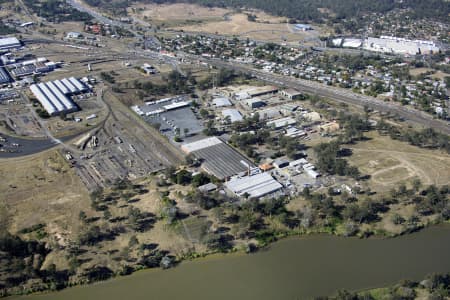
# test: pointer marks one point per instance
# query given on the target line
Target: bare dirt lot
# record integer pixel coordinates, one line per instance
(392, 162)
(275, 30)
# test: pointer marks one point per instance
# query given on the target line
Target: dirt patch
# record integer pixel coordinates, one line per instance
(391, 162)
(239, 24)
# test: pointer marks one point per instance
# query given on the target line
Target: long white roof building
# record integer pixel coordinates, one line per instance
(54, 95)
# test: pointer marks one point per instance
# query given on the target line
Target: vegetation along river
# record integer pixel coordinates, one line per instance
(295, 268)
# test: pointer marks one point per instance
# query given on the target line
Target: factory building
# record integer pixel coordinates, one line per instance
(221, 102)
(54, 95)
(303, 27)
(255, 103)
(233, 114)
(280, 123)
(254, 186)
(9, 43)
(291, 94)
(218, 158)
(4, 76)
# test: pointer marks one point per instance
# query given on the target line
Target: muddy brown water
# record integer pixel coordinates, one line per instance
(294, 268)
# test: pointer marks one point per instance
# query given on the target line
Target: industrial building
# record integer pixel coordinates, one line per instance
(218, 158)
(4, 76)
(221, 102)
(9, 43)
(280, 163)
(29, 67)
(233, 114)
(283, 122)
(254, 186)
(255, 103)
(269, 114)
(303, 27)
(389, 44)
(54, 95)
(291, 94)
(255, 92)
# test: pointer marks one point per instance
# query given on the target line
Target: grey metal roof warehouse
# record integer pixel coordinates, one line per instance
(254, 186)
(219, 159)
(4, 76)
(9, 43)
(233, 114)
(53, 95)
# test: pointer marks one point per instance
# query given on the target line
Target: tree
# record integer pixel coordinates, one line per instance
(183, 177)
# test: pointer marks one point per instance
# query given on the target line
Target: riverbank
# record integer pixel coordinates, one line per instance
(289, 269)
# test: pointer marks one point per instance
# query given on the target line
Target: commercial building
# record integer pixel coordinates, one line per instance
(269, 113)
(291, 94)
(281, 163)
(255, 92)
(254, 186)
(283, 122)
(233, 114)
(74, 35)
(303, 27)
(255, 103)
(261, 91)
(221, 102)
(9, 43)
(390, 44)
(54, 95)
(218, 158)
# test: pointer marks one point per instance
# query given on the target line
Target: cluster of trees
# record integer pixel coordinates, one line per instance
(56, 11)
(176, 84)
(222, 78)
(116, 7)
(5, 29)
(329, 160)
(107, 77)
(436, 285)
(20, 261)
(205, 200)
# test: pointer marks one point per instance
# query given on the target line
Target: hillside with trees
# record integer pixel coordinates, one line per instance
(311, 10)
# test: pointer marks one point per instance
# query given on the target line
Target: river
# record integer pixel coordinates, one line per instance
(295, 268)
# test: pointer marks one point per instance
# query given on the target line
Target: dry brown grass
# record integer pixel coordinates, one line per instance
(42, 189)
(436, 75)
(178, 11)
(391, 162)
(275, 30)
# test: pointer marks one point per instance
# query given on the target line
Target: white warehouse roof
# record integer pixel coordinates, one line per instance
(255, 186)
(234, 115)
(279, 123)
(198, 145)
(53, 95)
(221, 102)
(9, 42)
